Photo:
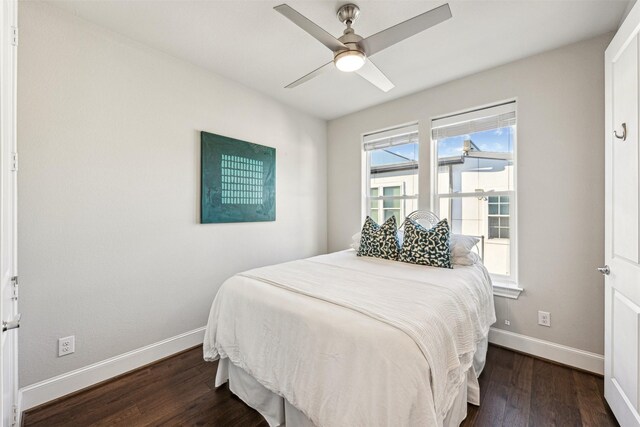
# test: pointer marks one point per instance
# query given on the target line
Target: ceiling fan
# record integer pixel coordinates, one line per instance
(351, 52)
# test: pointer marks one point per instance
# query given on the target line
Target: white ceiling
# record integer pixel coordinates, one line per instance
(247, 41)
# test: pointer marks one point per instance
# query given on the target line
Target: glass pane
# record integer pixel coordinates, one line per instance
(494, 199)
(410, 205)
(388, 213)
(392, 191)
(468, 215)
(478, 161)
(504, 209)
(494, 232)
(374, 192)
(395, 168)
(493, 208)
(374, 215)
(395, 155)
(444, 176)
(391, 203)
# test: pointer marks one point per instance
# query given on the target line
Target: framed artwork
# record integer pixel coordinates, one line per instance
(238, 180)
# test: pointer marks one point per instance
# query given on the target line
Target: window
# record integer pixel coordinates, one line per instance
(498, 217)
(475, 180)
(391, 173)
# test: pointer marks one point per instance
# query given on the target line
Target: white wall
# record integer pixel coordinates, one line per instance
(111, 250)
(560, 180)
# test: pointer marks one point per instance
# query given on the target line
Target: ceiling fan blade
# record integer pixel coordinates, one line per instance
(310, 27)
(314, 73)
(371, 73)
(392, 35)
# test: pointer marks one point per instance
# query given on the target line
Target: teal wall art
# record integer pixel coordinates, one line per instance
(238, 180)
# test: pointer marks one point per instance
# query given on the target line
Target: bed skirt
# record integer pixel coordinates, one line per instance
(278, 412)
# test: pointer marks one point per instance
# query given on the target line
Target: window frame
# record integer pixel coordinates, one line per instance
(507, 281)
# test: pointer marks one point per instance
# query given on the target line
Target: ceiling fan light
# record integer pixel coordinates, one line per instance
(349, 61)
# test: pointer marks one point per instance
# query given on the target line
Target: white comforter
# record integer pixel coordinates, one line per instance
(355, 341)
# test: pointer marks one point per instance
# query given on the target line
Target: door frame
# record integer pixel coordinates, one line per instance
(8, 171)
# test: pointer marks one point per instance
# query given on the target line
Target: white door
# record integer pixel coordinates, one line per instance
(622, 239)
(8, 167)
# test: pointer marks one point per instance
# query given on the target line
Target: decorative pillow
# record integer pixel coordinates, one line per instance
(426, 246)
(379, 241)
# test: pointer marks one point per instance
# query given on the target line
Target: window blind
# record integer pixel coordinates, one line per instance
(391, 137)
(474, 121)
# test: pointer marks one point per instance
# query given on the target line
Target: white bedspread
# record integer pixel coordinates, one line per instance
(355, 341)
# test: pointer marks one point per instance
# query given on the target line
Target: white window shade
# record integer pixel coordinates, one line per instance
(475, 121)
(390, 138)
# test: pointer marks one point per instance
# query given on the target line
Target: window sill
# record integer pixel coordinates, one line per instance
(506, 290)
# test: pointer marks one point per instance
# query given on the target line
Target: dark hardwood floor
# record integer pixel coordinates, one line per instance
(516, 390)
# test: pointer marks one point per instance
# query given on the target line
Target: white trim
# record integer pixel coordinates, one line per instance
(581, 359)
(8, 198)
(441, 117)
(19, 408)
(475, 194)
(497, 116)
(506, 291)
(53, 388)
(390, 133)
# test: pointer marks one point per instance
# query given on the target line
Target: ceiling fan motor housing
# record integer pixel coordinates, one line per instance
(353, 52)
(351, 40)
(347, 14)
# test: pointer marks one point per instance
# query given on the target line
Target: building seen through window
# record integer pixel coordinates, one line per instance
(392, 173)
(475, 180)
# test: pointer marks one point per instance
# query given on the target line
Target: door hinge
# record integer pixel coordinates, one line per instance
(14, 162)
(15, 415)
(14, 36)
(14, 283)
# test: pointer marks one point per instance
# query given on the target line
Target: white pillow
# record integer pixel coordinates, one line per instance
(461, 247)
(469, 259)
(355, 241)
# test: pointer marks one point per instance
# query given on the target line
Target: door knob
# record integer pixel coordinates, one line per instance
(604, 270)
(11, 324)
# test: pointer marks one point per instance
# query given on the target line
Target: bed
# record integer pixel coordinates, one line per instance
(342, 340)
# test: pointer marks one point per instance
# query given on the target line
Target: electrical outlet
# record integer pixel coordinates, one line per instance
(66, 345)
(544, 318)
(508, 323)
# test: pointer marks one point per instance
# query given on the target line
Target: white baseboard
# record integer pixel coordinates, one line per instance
(581, 359)
(53, 388)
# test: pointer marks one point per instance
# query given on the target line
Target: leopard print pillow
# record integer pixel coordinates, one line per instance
(380, 241)
(426, 246)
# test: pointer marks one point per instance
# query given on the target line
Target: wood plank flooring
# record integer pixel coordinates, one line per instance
(516, 390)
